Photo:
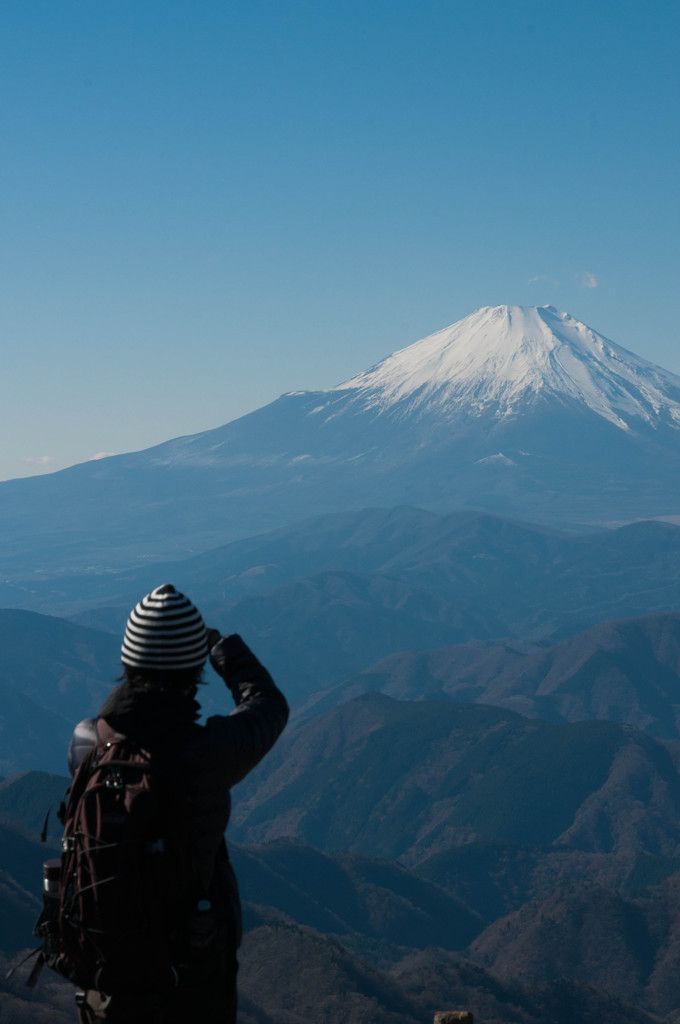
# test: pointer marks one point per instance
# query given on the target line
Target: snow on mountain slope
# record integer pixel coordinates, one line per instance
(510, 356)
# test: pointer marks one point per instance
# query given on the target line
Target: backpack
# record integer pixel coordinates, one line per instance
(125, 879)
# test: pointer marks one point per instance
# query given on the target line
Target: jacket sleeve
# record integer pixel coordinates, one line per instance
(261, 712)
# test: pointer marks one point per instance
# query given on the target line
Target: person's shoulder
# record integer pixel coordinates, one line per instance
(203, 746)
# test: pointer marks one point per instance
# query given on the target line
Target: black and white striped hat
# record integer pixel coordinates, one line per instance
(165, 631)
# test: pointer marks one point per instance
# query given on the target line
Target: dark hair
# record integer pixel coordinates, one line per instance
(177, 679)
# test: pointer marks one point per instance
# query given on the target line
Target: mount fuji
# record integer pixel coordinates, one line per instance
(514, 410)
(503, 359)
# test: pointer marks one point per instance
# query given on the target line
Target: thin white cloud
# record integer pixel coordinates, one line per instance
(101, 455)
(543, 277)
(39, 460)
(587, 280)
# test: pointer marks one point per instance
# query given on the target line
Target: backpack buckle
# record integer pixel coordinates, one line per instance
(68, 843)
(115, 779)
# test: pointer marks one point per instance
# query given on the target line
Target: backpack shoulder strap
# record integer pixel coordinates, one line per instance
(87, 735)
(106, 733)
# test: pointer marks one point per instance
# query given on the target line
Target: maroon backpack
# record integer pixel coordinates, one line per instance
(125, 877)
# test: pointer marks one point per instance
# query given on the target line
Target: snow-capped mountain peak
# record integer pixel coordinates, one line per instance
(500, 356)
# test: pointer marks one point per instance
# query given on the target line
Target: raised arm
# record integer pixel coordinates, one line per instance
(261, 712)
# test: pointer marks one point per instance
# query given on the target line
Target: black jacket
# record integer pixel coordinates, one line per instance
(211, 758)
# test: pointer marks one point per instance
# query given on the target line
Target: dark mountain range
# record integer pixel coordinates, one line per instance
(21, 861)
(623, 671)
(430, 550)
(495, 879)
(52, 1002)
(434, 978)
(587, 934)
(360, 900)
(513, 410)
(344, 895)
(584, 932)
(350, 896)
(296, 977)
(406, 780)
(463, 578)
(365, 902)
(293, 975)
(331, 596)
(61, 665)
(32, 737)
(25, 799)
(52, 674)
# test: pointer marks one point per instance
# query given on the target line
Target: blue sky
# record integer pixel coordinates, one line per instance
(206, 204)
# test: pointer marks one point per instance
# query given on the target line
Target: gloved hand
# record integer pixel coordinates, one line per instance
(213, 636)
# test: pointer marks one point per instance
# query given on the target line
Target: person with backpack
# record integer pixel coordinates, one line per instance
(149, 913)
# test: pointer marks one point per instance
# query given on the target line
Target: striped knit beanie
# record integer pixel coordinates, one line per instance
(165, 630)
